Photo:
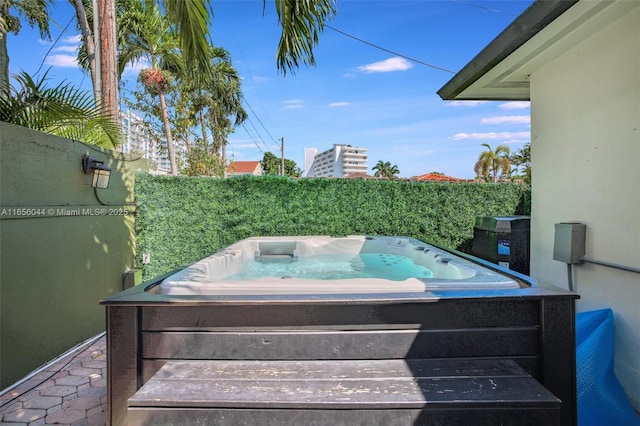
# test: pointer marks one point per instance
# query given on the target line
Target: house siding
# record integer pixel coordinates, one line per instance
(586, 152)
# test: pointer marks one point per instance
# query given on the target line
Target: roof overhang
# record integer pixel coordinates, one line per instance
(544, 31)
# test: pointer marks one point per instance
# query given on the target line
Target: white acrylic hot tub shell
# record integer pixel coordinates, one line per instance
(207, 276)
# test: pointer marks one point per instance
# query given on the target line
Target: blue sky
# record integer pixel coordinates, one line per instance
(356, 94)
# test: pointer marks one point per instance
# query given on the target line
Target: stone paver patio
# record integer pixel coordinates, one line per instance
(70, 391)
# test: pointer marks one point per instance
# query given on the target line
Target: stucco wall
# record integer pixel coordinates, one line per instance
(61, 251)
(586, 167)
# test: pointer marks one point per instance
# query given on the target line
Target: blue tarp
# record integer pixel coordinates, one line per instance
(601, 399)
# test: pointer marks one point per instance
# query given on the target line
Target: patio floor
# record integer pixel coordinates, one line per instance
(70, 391)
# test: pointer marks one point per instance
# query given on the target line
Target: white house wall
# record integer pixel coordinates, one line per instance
(586, 168)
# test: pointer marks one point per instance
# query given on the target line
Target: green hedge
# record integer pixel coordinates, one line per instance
(183, 219)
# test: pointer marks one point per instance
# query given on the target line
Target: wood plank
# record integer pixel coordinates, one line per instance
(528, 363)
(340, 369)
(390, 417)
(342, 385)
(370, 344)
(346, 316)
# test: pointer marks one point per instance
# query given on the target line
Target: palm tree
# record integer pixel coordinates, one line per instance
(492, 163)
(385, 169)
(522, 158)
(36, 14)
(216, 105)
(148, 34)
(62, 110)
(218, 100)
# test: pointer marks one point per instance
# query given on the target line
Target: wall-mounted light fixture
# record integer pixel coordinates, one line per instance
(101, 172)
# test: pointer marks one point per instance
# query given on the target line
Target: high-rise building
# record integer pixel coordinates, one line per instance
(339, 161)
(138, 140)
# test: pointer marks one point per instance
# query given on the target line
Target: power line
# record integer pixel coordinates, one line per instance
(252, 138)
(246, 65)
(390, 51)
(259, 121)
(54, 45)
(260, 138)
(466, 3)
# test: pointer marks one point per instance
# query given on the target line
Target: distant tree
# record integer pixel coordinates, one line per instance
(271, 166)
(522, 158)
(492, 163)
(201, 162)
(385, 169)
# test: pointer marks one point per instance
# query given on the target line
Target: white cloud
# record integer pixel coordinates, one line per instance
(68, 49)
(505, 136)
(508, 119)
(470, 104)
(260, 79)
(515, 105)
(388, 65)
(63, 61)
(339, 104)
(133, 69)
(292, 104)
(246, 145)
(76, 39)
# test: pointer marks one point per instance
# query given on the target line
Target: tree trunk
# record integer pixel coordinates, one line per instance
(167, 133)
(203, 129)
(4, 53)
(83, 23)
(108, 58)
(4, 66)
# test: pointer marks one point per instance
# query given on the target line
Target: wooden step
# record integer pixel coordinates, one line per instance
(454, 391)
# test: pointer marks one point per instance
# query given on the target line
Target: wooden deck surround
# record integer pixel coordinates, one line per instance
(451, 357)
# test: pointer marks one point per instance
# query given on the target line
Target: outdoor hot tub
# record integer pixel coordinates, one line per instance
(326, 265)
(352, 330)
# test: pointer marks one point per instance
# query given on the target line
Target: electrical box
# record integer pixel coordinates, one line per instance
(569, 242)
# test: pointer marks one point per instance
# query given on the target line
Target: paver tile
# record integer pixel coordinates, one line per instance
(54, 409)
(98, 419)
(98, 382)
(66, 416)
(11, 406)
(24, 416)
(43, 402)
(92, 392)
(85, 372)
(81, 403)
(70, 392)
(58, 391)
(93, 364)
(72, 380)
(95, 410)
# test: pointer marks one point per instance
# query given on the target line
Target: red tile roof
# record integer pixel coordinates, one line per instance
(238, 167)
(437, 177)
(358, 175)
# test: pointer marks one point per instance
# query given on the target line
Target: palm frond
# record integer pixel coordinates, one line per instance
(302, 22)
(192, 24)
(62, 110)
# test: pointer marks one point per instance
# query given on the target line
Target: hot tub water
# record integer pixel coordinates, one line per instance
(337, 266)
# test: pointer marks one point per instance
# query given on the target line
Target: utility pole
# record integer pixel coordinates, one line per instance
(282, 157)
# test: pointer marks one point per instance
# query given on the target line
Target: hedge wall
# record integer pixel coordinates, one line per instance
(183, 219)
